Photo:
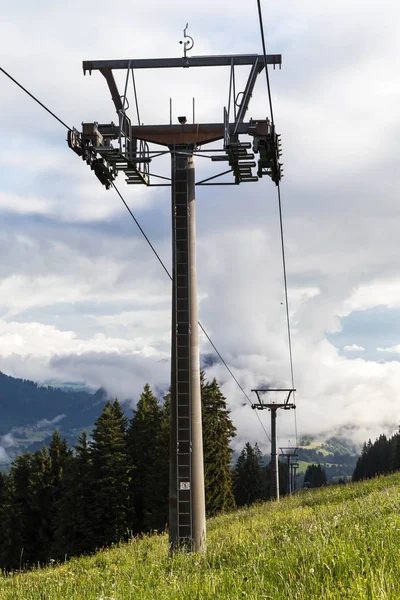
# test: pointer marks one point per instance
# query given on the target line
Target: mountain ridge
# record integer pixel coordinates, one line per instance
(31, 412)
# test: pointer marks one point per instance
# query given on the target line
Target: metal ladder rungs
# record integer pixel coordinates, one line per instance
(239, 145)
(219, 158)
(247, 165)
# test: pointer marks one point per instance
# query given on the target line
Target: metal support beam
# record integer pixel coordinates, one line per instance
(295, 466)
(188, 134)
(189, 61)
(274, 458)
(247, 94)
(116, 98)
(289, 453)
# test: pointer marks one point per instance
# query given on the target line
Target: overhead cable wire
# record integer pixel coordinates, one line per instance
(141, 230)
(289, 333)
(260, 17)
(147, 240)
(35, 99)
(234, 378)
(262, 31)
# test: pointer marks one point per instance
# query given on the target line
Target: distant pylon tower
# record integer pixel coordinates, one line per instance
(122, 147)
(294, 466)
(273, 407)
(289, 453)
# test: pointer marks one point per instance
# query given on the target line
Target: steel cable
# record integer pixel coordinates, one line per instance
(262, 31)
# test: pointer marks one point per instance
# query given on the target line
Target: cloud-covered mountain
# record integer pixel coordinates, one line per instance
(24, 403)
(30, 413)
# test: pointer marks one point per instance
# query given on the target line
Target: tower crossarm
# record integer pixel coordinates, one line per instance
(132, 155)
(288, 451)
(273, 405)
(189, 61)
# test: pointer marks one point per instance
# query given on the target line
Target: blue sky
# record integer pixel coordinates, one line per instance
(81, 296)
(370, 330)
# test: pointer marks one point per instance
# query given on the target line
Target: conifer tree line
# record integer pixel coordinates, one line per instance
(378, 458)
(59, 502)
(315, 476)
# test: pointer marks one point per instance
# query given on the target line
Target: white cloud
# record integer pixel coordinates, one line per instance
(381, 292)
(353, 348)
(26, 339)
(47, 423)
(4, 458)
(391, 349)
(7, 440)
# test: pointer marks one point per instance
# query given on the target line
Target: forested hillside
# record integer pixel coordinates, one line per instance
(337, 455)
(25, 403)
(380, 457)
(60, 501)
(30, 413)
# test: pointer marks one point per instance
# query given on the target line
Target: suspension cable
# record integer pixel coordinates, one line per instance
(262, 31)
(287, 306)
(35, 99)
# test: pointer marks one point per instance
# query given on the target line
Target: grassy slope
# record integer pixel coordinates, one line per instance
(338, 542)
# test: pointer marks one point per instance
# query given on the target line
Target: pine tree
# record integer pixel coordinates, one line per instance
(218, 431)
(3, 509)
(377, 458)
(41, 500)
(250, 476)
(315, 476)
(3, 498)
(74, 529)
(59, 455)
(147, 443)
(381, 456)
(20, 520)
(11, 542)
(396, 451)
(359, 472)
(109, 476)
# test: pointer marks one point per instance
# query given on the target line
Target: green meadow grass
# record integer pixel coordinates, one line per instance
(338, 542)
